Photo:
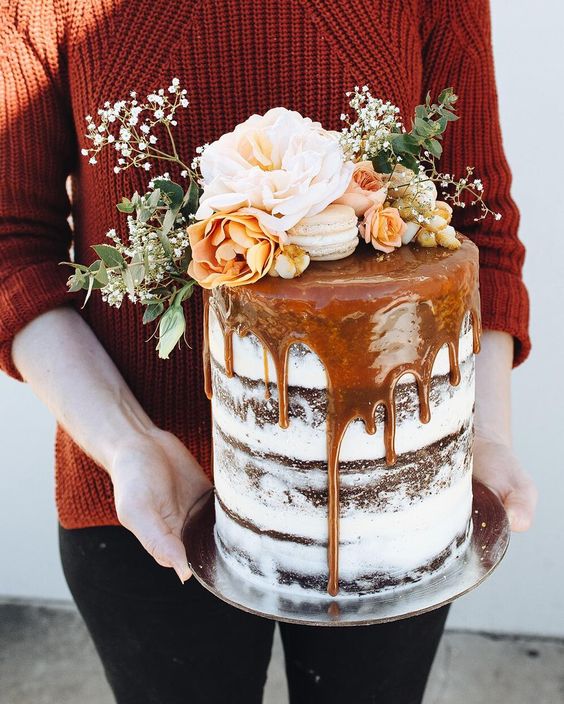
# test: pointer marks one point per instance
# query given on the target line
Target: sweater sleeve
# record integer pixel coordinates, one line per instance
(37, 147)
(458, 53)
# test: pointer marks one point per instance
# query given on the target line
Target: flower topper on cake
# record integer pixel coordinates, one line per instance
(268, 198)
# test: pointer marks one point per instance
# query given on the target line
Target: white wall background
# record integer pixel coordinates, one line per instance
(525, 594)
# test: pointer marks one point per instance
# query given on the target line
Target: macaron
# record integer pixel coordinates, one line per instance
(331, 234)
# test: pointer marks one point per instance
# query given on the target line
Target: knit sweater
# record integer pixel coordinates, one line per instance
(62, 59)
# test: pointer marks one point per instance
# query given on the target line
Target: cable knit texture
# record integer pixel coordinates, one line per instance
(61, 59)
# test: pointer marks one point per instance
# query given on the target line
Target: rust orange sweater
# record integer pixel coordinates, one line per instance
(61, 59)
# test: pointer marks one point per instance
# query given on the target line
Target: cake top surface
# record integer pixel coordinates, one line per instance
(421, 272)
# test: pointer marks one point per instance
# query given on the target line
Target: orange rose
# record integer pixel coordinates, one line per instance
(231, 249)
(365, 189)
(383, 227)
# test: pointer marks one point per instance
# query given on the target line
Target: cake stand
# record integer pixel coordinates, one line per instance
(490, 538)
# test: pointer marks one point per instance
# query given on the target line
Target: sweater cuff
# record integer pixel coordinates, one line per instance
(505, 307)
(26, 294)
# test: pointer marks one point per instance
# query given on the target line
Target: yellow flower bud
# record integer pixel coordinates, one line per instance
(447, 238)
(290, 262)
(426, 238)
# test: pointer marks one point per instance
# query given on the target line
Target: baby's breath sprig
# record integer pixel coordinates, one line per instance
(370, 132)
(461, 192)
(129, 127)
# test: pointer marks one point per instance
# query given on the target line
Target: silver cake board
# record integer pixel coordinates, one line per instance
(487, 546)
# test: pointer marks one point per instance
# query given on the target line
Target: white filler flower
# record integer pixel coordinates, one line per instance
(281, 163)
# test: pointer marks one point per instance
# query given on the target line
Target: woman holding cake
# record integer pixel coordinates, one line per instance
(134, 436)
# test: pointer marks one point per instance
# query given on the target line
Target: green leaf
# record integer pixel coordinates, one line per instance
(152, 312)
(442, 123)
(383, 162)
(125, 206)
(421, 112)
(445, 95)
(174, 192)
(449, 116)
(191, 199)
(187, 291)
(143, 213)
(101, 274)
(109, 255)
(133, 276)
(434, 147)
(405, 143)
(154, 198)
(410, 162)
(168, 222)
(423, 127)
(78, 267)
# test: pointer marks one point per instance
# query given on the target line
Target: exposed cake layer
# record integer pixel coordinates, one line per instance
(377, 551)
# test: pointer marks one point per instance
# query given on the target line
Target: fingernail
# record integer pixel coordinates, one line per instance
(183, 573)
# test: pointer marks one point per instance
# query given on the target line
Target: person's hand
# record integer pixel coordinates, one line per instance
(496, 466)
(156, 481)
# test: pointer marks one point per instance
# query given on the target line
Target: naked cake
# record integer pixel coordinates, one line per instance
(342, 404)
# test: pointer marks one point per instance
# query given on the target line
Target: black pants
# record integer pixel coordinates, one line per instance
(166, 643)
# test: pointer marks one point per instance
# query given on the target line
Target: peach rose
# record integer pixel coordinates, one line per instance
(231, 249)
(383, 227)
(365, 189)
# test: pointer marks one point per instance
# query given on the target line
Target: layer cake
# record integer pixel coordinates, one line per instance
(343, 403)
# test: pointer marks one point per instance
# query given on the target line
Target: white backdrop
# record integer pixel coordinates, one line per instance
(525, 594)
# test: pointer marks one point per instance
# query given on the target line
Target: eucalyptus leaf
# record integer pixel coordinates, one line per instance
(191, 199)
(445, 94)
(168, 223)
(133, 276)
(383, 162)
(405, 143)
(109, 255)
(410, 162)
(154, 198)
(101, 274)
(423, 127)
(174, 192)
(75, 265)
(152, 312)
(125, 206)
(435, 148)
(143, 213)
(420, 111)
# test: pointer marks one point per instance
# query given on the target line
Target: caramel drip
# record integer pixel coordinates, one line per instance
(370, 321)
(206, 346)
(266, 380)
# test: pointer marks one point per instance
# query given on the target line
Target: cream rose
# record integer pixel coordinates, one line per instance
(281, 163)
(366, 188)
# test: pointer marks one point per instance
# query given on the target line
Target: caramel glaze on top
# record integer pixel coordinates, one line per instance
(370, 319)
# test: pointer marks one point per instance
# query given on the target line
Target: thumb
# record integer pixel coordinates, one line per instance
(520, 506)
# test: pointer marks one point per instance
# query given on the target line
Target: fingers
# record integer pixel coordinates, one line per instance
(159, 541)
(520, 505)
